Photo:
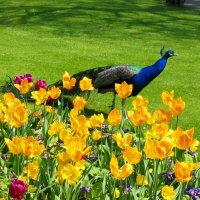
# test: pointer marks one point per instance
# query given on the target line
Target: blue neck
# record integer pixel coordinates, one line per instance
(147, 74)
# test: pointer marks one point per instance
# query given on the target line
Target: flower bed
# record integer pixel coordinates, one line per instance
(55, 152)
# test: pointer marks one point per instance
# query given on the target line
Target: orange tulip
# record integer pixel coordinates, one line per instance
(162, 116)
(30, 147)
(162, 149)
(76, 147)
(139, 117)
(54, 92)
(177, 106)
(68, 82)
(114, 117)
(132, 155)
(183, 139)
(183, 171)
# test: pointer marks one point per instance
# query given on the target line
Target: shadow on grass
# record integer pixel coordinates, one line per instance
(101, 18)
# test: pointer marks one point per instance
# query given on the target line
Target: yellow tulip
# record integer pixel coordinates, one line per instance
(123, 90)
(117, 193)
(79, 103)
(79, 126)
(132, 155)
(86, 84)
(15, 112)
(122, 142)
(167, 97)
(168, 192)
(13, 145)
(17, 116)
(76, 147)
(68, 82)
(65, 134)
(158, 131)
(141, 180)
(40, 96)
(140, 102)
(96, 120)
(194, 145)
(24, 87)
(63, 157)
(56, 127)
(69, 172)
(32, 170)
(183, 170)
(96, 135)
(32, 188)
(114, 117)
(120, 174)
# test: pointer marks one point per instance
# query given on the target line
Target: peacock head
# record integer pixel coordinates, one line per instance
(168, 53)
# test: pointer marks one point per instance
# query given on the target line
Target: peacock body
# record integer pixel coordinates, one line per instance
(104, 78)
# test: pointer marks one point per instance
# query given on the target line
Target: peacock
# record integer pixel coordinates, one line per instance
(104, 78)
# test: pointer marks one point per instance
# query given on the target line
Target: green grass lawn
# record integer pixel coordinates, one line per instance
(46, 38)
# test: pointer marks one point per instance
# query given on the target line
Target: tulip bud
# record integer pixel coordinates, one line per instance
(40, 84)
(17, 189)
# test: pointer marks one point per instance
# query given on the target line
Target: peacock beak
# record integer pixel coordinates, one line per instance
(173, 54)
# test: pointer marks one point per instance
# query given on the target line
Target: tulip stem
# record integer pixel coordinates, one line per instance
(182, 190)
(124, 114)
(155, 180)
(113, 193)
(177, 119)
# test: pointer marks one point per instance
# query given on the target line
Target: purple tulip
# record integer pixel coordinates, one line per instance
(40, 84)
(18, 79)
(29, 77)
(17, 189)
